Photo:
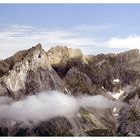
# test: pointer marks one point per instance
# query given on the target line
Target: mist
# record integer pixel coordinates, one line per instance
(46, 105)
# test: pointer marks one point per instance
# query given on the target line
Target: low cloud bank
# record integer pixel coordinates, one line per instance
(46, 105)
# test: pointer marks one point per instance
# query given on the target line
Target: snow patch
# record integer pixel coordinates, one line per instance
(118, 94)
(116, 81)
(103, 88)
(114, 109)
(116, 115)
(115, 112)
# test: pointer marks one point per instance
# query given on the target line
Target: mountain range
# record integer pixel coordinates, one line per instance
(69, 71)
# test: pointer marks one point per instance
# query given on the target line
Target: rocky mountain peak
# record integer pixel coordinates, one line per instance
(8, 64)
(27, 74)
(133, 52)
(62, 54)
(124, 57)
(61, 57)
(36, 56)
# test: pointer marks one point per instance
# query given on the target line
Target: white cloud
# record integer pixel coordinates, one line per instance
(19, 37)
(131, 42)
(93, 28)
(47, 105)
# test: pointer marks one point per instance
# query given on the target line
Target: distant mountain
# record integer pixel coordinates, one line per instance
(116, 76)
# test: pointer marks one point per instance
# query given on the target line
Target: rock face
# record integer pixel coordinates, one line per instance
(68, 70)
(61, 57)
(129, 118)
(29, 74)
(79, 83)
